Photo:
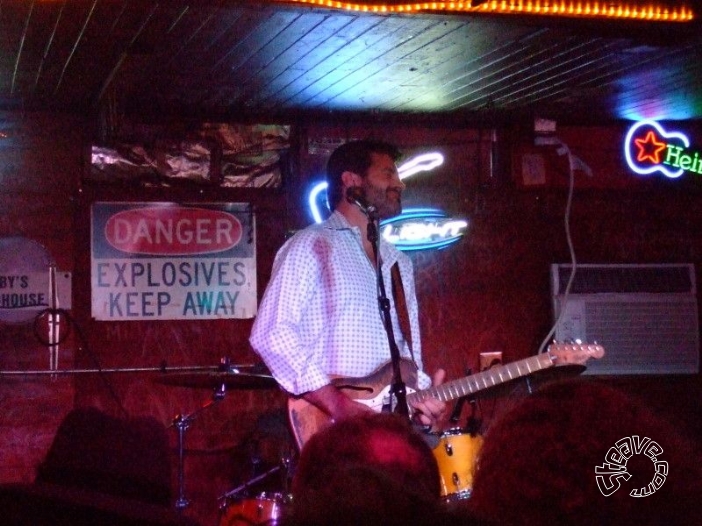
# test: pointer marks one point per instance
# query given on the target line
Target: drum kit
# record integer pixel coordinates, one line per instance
(456, 450)
(237, 507)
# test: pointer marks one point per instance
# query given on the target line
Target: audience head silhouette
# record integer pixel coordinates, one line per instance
(98, 470)
(373, 469)
(538, 462)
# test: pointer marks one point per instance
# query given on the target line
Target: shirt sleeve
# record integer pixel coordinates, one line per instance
(276, 334)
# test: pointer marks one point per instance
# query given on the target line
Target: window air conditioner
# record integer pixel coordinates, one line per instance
(645, 316)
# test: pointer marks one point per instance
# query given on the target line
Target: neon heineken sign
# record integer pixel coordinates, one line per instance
(649, 148)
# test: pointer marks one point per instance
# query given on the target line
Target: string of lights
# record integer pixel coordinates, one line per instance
(651, 12)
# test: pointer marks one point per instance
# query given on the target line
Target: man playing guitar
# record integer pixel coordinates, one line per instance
(319, 318)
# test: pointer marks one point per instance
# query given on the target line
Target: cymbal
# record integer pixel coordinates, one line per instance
(217, 379)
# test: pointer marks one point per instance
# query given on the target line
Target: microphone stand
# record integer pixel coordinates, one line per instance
(397, 388)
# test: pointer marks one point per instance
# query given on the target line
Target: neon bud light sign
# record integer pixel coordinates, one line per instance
(415, 228)
(422, 229)
(649, 148)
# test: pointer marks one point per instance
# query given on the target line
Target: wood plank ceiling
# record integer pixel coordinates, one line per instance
(236, 59)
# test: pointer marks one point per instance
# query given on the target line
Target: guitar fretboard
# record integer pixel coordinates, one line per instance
(479, 381)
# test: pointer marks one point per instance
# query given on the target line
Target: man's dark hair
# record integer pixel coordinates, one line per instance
(365, 440)
(368, 469)
(353, 156)
(537, 463)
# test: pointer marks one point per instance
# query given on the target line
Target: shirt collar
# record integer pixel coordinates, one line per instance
(337, 221)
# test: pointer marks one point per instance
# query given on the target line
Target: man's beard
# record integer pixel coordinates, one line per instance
(387, 202)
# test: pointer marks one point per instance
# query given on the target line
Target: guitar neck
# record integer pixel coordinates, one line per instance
(479, 381)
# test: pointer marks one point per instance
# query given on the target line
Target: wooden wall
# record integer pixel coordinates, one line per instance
(488, 292)
(40, 161)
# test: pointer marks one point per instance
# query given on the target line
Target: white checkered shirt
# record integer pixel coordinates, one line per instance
(319, 316)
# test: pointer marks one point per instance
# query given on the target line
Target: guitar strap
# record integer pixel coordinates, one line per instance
(398, 294)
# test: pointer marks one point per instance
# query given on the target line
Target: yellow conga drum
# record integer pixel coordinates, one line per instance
(456, 455)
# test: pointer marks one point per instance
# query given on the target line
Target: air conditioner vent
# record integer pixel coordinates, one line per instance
(645, 316)
(597, 279)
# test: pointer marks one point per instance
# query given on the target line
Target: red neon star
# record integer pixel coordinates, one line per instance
(649, 148)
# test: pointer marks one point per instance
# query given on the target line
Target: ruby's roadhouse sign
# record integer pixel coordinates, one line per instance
(166, 261)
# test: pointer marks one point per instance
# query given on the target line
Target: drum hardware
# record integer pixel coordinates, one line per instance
(284, 467)
(181, 423)
(265, 508)
(457, 410)
(244, 488)
(226, 376)
(472, 423)
(237, 508)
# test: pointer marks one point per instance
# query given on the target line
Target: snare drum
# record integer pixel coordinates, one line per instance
(456, 456)
(266, 508)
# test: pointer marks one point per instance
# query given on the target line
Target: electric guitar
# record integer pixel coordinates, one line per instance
(374, 390)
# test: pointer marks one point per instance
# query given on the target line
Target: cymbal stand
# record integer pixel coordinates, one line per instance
(246, 485)
(182, 423)
(283, 467)
(286, 463)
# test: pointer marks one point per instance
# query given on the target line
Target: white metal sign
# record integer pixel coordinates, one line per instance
(165, 261)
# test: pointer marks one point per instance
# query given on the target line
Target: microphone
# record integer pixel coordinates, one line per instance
(355, 196)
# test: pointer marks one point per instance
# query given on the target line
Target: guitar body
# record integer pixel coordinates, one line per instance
(372, 390)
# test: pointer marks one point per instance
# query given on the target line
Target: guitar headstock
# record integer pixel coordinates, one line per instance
(574, 353)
